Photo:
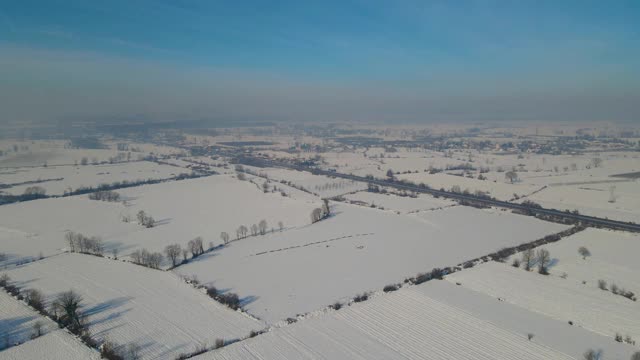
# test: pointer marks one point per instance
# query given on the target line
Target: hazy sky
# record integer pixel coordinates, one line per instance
(404, 61)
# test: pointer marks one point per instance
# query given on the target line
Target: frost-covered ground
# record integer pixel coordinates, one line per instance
(407, 324)
(358, 249)
(614, 258)
(183, 210)
(57, 152)
(620, 203)
(563, 299)
(56, 345)
(126, 303)
(403, 204)
(57, 180)
(499, 189)
(322, 186)
(17, 321)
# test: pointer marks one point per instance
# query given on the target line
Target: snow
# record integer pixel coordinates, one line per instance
(614, 258)
(73, 177)
(322, 186)
(404, 204)
(406, 324)
(17, 320)
(127, 304)
(183, 209)
(500, 189)
(594, 199)
(556, 334)
(358, 249)
(587, 306)
(56, 345)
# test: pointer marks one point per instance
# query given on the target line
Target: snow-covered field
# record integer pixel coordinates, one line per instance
(614, 258)
(563, 299)
(183, 210)
(69, 178)
(500, 189)
(56, 345)
(56, 152)
(322, 186)
(407, 324)
(403, 204)
(126, 303)
(17, 321)
(595, 199)
(358, 249)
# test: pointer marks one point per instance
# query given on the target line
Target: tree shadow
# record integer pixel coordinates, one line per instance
(248, 300)
(163, 221)
(106, 305)
(13, 330)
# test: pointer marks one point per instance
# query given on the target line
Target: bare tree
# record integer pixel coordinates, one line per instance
(154, 260)
(69, 236)
(241, 232)
(173, 252)
(280, 225)
(67, 305)
(133, 351)
(635, 356)
(196, 247)
(602, 285)
(262, 225)
(254, 229)
(592, 355)
(141, 215)
(528, 259)
(4, 280)
(390, 174)
(35, 191)
(326, 211)
(185, 255)
(596, 162)
(316, 215)
(37, 329)
(544, 259)
(265, 187)
(200, 245)
(512, 176)
(584, 252)
(225, 237)
(35, 299)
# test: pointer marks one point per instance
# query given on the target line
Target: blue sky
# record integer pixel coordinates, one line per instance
(324, 60)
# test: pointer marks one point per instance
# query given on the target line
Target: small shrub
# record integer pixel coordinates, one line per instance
(390, 288)
(618, 338)
(212, 291)
(4, 280)
(336, 306)
(629, 340)
(422, 278)
(530, 336)
(231, 300)
(220, 342)
(516, 263)
(360, 298)
(602, 285)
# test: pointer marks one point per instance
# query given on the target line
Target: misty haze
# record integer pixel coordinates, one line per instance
(319, 180)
